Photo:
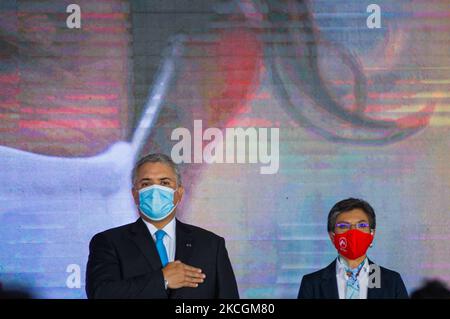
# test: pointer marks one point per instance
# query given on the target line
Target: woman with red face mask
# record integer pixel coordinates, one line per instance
(351, 226)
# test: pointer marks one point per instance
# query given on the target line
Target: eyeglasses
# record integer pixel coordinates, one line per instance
(343, 227)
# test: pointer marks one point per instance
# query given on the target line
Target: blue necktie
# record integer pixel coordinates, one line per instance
(352, 291)
(160, 247)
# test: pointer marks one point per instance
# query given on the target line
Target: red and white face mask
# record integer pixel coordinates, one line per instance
(353, 243)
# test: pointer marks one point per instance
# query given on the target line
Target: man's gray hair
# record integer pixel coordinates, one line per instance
(156, 158)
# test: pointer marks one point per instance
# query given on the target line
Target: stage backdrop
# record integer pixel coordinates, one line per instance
(334, 99)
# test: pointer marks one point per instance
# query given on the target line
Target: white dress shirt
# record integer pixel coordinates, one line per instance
(169, 238)
(341, 277)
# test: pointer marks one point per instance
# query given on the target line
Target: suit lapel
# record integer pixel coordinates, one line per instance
(374, 293)
(184, 243)
(328, 283)
(143, 239)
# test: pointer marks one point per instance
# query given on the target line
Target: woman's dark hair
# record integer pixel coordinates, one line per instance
(347, 205)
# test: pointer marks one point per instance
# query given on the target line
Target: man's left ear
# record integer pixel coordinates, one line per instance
(179, 193)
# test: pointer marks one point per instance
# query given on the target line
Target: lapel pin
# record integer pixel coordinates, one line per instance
(188, 245)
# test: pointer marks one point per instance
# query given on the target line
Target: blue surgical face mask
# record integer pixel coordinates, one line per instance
(156, 202)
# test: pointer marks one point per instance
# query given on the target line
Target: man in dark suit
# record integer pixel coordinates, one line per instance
(351, 227)
(158, 256)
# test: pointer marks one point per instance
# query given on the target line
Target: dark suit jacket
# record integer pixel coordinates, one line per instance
(322, 284)
(124, 263)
